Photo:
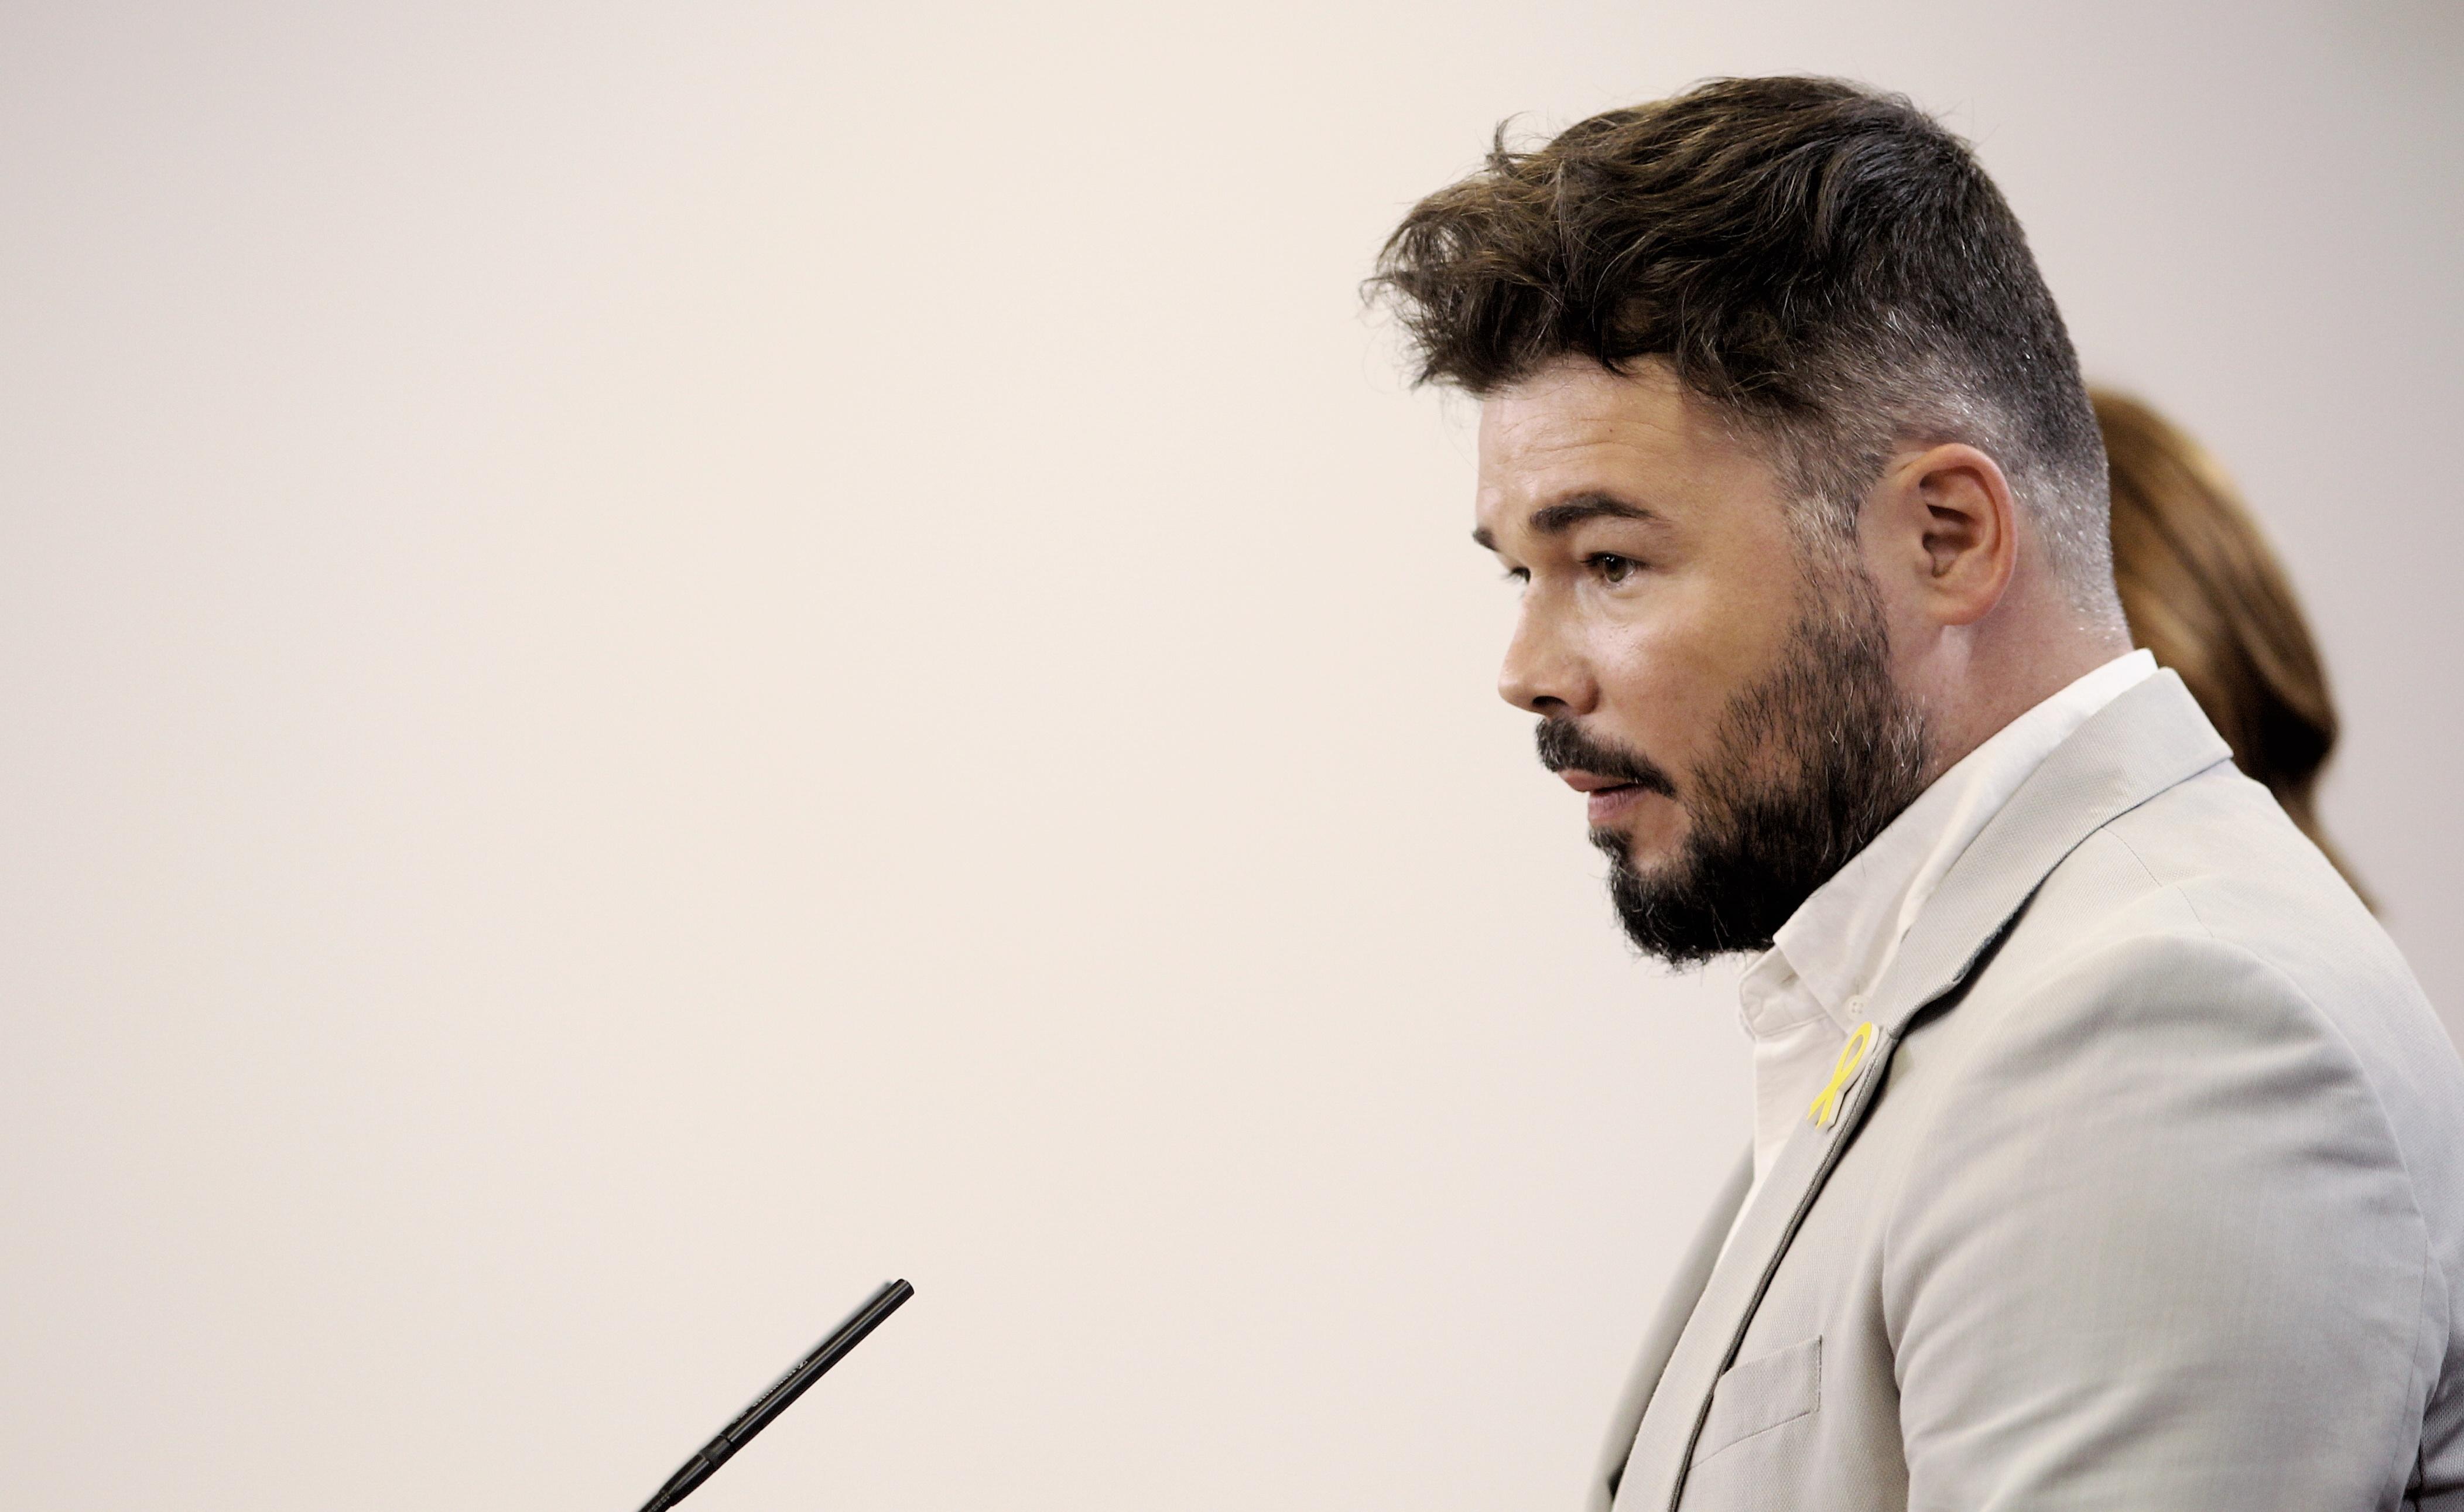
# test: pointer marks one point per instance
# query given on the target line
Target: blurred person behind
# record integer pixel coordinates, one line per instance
(2204, 592)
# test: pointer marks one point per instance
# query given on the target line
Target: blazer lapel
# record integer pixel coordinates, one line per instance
(1676, 1306)
(2143, 742)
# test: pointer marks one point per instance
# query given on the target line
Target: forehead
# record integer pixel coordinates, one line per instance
(1575, 428)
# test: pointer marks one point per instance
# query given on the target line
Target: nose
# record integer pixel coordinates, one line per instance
(1544, 672)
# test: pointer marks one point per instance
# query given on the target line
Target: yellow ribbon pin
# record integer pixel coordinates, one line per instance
(1826, 1108)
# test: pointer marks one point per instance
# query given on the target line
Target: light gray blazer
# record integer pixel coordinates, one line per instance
(2150, 1193)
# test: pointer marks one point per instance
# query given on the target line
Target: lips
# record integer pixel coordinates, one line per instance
(1604, 797)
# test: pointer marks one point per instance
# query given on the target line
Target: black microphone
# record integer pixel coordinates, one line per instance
(784, 1391)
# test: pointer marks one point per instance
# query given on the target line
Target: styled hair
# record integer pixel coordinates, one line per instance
(1826, 265)
(2206, 595)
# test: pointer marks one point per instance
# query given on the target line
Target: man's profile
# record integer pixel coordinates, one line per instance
(2106, 1154)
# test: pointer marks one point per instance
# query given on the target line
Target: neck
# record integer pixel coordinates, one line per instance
(1975, 679)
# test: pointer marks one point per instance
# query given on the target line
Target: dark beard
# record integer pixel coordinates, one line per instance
(1808, 766)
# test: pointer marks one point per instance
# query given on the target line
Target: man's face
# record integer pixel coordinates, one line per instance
(1723, 700)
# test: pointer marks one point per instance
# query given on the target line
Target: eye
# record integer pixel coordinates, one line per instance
(1518, 575)
(1612, 567)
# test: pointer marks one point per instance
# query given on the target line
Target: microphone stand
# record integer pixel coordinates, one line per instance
(783, 1391)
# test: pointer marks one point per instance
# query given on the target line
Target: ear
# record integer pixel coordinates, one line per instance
(1944, 525)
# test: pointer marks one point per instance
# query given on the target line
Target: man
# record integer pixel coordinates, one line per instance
(2106, 1154)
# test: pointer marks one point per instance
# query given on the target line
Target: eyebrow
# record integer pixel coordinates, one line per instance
(1562, 516)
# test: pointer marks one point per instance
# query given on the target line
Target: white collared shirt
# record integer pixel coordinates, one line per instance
(1801, 998)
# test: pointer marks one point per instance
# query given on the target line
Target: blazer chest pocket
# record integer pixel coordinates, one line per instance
(1759, 1394)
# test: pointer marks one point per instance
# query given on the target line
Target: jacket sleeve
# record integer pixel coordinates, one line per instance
(2159, 1249)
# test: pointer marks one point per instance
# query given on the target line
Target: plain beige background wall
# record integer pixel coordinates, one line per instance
(662, 660)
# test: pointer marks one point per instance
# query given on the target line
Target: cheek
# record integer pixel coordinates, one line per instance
(1663, 691)
(1670, 671)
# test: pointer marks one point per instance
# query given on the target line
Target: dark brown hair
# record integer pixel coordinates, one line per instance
(2206, 595)
(1826, 264)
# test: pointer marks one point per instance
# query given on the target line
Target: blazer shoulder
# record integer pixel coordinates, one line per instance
(2194, 963)
(2213, 863)
(2150, 1072)
(2211, 873)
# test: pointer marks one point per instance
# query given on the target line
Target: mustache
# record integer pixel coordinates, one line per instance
(1563, 744)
